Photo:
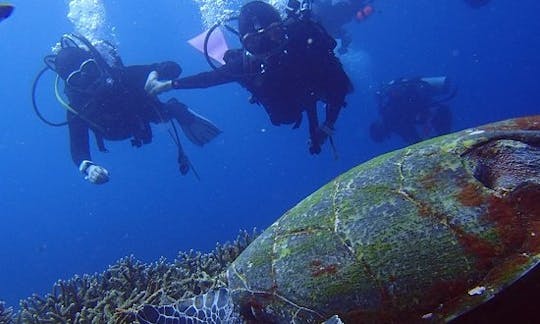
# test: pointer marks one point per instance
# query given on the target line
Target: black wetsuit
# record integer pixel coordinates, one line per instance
(288, 82)
(118, 109)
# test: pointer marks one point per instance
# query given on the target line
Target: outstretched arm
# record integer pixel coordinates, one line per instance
(231, 71)
(135, 76)
(202, 80)
(78, 139)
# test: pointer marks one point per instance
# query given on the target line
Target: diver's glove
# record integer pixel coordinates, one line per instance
(153, 86)
(319, 137)
(94, 173)
(197, 129)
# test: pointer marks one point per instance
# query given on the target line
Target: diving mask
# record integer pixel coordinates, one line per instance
(265, 40)
(87, 74)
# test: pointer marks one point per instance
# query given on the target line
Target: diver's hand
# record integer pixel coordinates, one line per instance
(154, 86)
(319, 137)
(94, 173)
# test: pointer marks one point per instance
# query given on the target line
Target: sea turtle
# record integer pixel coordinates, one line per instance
(427, 232)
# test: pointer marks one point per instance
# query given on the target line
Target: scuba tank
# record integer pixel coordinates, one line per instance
(440, 85)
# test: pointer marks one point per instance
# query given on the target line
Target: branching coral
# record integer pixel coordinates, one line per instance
(6, 314)
(114, 295)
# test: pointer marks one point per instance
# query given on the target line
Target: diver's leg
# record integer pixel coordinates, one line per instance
(313, 120)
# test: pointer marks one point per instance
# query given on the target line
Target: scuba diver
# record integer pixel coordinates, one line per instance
(334, 14)
(6, 10)
(109, 99)
(287, 66)
(409, 107)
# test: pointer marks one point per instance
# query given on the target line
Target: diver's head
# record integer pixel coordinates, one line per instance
(77, 67)
(69, 59)
(261, 28)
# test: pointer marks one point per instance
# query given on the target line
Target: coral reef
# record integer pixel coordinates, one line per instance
(6, 314)
(114, 295)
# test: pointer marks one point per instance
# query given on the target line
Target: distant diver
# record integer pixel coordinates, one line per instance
(6, 10)
(414, 109)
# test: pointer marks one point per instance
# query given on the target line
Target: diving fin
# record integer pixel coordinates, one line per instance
(5, 10)
(199, 130)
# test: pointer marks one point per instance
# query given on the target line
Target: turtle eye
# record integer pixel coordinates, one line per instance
(505, 164)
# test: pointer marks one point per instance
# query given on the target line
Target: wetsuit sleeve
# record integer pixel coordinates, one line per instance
(232, 70)
(78, 139)
(134, 76)
(206, 79)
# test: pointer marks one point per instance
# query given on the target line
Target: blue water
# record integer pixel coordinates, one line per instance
(54, 224)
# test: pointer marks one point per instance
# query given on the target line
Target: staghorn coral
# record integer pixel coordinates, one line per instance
(6, 314)
(114, 295)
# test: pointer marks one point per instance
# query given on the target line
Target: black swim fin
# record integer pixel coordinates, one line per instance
(6, 10)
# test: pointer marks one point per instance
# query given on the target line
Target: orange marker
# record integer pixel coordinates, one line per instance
(365, 12)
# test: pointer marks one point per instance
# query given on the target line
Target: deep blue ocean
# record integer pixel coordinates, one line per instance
(53, 224)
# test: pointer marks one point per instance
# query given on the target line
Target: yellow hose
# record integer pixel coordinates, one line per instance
(60, 99)
(68, 107)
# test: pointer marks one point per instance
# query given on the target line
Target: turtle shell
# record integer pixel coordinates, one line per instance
(426, 232)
